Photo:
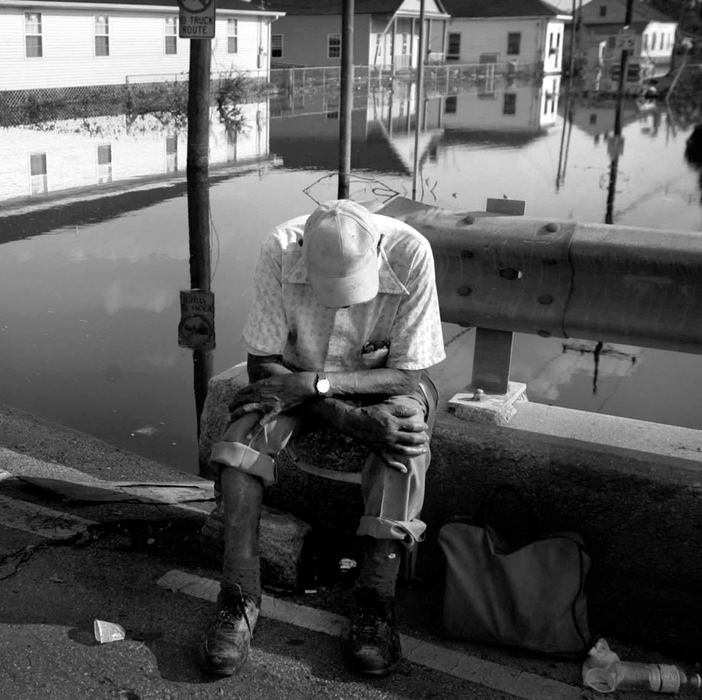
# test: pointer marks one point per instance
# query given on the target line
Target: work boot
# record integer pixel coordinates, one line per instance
(225, 647)
(374, 644)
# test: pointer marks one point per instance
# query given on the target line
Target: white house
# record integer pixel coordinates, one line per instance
(515, 32)
(386, 32)
(650, 38)
(58, 44)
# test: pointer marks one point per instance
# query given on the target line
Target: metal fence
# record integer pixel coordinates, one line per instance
(32, 106)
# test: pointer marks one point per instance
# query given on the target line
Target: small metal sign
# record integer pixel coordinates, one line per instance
(197, 19)
(626, 40)
(196, 329)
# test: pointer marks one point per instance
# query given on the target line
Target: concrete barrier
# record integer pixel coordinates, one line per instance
(632, 489)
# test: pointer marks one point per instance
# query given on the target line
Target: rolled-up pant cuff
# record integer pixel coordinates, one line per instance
(384, 529)
(245, 459)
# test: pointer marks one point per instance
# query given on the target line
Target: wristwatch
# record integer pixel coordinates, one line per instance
(321, 385)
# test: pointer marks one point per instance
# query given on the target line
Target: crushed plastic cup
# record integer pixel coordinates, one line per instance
(108, 631)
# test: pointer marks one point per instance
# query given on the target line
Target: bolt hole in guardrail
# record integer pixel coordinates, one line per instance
(510, 273)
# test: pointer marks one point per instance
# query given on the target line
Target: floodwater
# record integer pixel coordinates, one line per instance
(92, 263)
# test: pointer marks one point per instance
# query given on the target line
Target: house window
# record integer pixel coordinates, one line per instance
(405, 44)
(593, 118)
(102, 36)
(451, 104)
(509, 105)
(276, 46)
(38, 182)
(603, 10)
(653, 41)
(32, 35)
(454, 47)
(514, 39)
(171, 38)
(171, 154)
(645, 42)
(232, 36)
(104, 162)
(333, 45)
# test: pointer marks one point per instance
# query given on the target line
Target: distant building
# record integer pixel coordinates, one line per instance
(513, 32)
(600, 36)
(386, 33)
(58, 44)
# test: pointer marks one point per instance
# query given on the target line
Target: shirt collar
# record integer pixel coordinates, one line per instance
(389, 283)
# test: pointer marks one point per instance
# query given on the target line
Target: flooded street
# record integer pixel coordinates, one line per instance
(94, 241)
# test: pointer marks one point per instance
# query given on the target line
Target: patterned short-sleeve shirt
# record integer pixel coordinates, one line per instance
(287, 319)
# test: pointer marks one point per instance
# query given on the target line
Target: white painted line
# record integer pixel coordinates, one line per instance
(489, 674)
(37, 520)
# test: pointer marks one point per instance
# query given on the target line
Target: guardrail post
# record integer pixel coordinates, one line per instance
(491, 393)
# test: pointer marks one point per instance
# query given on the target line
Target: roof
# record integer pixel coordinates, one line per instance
(499, 8)
(335, 7)
(641, 12)
(240, 5)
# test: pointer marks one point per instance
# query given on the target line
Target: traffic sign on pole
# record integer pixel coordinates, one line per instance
(197, 19)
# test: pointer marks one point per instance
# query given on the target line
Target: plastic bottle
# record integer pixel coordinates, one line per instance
(660, 678)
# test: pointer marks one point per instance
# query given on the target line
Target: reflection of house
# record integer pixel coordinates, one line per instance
(525, 108)
(307, 132)
(89, 153)
(51, 43)
(386, 32)
(600, 37)
(598, 119)
(515, 32)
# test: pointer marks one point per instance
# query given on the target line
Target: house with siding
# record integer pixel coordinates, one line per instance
(63, 43)
(598, 40)
(386, 33)
(513, 32)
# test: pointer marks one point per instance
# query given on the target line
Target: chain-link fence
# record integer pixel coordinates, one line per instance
(150, 92)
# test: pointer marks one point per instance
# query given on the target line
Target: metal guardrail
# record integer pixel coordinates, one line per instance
(565, 279)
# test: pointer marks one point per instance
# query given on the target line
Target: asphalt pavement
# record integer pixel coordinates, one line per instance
(65, 563)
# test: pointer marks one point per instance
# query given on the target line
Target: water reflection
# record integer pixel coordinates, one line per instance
(90, 312)
(67, 154)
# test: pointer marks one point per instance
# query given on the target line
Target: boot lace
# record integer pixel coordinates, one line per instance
(233, 610)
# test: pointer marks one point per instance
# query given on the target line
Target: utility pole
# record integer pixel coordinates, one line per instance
(346, 105)
(616, 144)
(420, 98)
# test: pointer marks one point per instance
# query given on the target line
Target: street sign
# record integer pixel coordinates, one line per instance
(626, 40)
(196, 328)
(197, 19)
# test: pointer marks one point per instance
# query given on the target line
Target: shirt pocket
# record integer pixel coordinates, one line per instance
(374, 354)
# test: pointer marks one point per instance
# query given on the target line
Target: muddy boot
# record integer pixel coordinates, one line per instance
(374, 644)
(225, 647)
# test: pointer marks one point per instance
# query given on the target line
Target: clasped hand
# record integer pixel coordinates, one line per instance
(272, 396)
(390, 430)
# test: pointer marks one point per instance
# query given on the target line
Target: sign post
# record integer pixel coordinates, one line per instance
(196, 328)
(197, 19)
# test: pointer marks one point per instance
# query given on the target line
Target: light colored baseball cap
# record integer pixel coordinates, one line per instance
(341, 253)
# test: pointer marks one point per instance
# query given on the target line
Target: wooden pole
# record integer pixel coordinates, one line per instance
(614, 164)
(346, 106)
(418, 102)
